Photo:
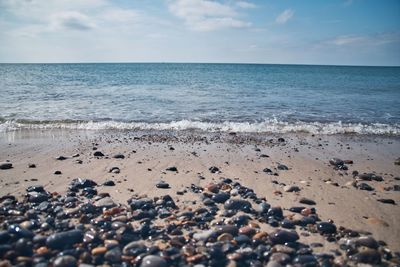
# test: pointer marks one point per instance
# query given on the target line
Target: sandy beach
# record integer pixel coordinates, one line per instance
(281, 169)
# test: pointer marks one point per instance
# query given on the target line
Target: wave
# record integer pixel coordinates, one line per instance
(267, 126)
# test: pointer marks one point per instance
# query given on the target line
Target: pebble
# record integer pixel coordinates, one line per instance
(326, 228)
(153, 261)
(172, 169)
(105, 203)
(307, 201)
(65, 261)
(238, 204)
(291, 188)
(65, 239)
(162, 184)
(370, 256)
(387, 201)
(214, 169)
(5, 165)
(283, 236)
(98, 154)
(119, 156)
(109, 183)
(364, 186)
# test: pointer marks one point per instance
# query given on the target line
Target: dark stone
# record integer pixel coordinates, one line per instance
(364, 186)
(307, 201)
(65, 261)
(80, 183)
(61, 158)
(31, 165)
(118, 156)
(387, 201)
(4, 237)
(283, 236)
(336, 162)
(153, 261)
(282, 167)
(35, 188)
(19, 231)
(57, 172)
(220, 197)
(65, 239)
(37, 197)
(134, 248)
(370, 256)
(367, 241)
(24, 247)
(267, 170)
(326, 228)
(172, 169)
(113, 255)
(238, 204)
(98, 154)
(163, 185)
(109, 183)
(213, 169)
(370, 177)
(5, 165)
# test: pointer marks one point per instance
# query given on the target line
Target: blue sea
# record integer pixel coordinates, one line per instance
(207, 97)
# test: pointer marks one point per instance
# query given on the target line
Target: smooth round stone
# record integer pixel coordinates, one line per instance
(204, 235)
(287, 224)
(99, 250)
(214, 188)
(282, 258)
(81, 183)
(336, 162)
(291, 188)
(242, 239)
(370, 256)
(5, 165)
(225, 237)
(263, 207)
(105, 202)
(273, 263)
(307, 201)
(247, 230)
(238, 204)
(230, 229)
(305, 259)
(35, 188)
(119, 156)
(64, 239)
(153, 261)
(282, 236)
(134, 248)
(367, 241)
(19, 231)
(109, 183)
(326, 228)
(113, 255)
(65, 261)
(283, 249)
(24, 247)
(37, 197)
(220, 197)
(4, 237)
(162, 185)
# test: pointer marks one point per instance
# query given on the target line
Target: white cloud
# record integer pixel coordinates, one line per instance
(364, 40)
(244, 4)
(285, 16)
(72, 20)
(204, 15)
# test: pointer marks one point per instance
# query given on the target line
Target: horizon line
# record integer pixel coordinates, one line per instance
(193, 62)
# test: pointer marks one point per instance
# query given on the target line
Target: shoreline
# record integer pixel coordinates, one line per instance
(242, 157)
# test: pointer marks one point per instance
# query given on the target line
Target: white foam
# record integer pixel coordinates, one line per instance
(267, 126)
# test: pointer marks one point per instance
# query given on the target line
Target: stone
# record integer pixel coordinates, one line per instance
(65, 261)
(109, 183)
(370, 256)
(31, 165)
(172, 169)
(98, 154)
(61, 158)
(221, 197)
(65, 239)
(397, 161)
(307, 201)
(204, 235)
(238, 204)
(162, 185)
(99, 250)
(387, 201)
(282, 167)
(214, 169)
(80, 183)
(291, 188)
(119, 156)
(336, 162)
(134, 248)
(366, 241)
(364, 186)
(105, 202)
(153, 261)
(114, 170)
(5, 165)
(283, 236)
(57, 172)
(326, 228)
(113, 255)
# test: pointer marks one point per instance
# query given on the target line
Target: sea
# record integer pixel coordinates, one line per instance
(254, 98)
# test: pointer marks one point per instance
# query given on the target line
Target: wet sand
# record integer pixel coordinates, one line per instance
(241, 157)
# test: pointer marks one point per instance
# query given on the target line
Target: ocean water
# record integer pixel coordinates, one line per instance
(209, 97)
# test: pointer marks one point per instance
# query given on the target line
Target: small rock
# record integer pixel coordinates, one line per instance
(172, 169)
(326, 228)
(65, 239)
(283, 236)
(109, 183)
(370, 256)
(114, 170)
(153, 261)
(5, 165)
(98, 154)
(397, 161)
(387, 201)
(162, 185)
(291, 188)
(61, 158)
(307, 201)
(214, 169)
(282, 167)
(364, 186)
(118, 156)
(105, 202)
(57, 172)
(65, 261)
(31, 165)
(238, 204)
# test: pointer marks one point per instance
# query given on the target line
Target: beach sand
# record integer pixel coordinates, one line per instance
(241, 157)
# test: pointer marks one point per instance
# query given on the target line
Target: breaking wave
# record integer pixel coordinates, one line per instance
(267, 126)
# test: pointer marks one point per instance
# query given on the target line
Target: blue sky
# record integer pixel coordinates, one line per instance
(344, 32)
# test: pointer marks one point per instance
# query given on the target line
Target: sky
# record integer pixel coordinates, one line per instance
(328, 32)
